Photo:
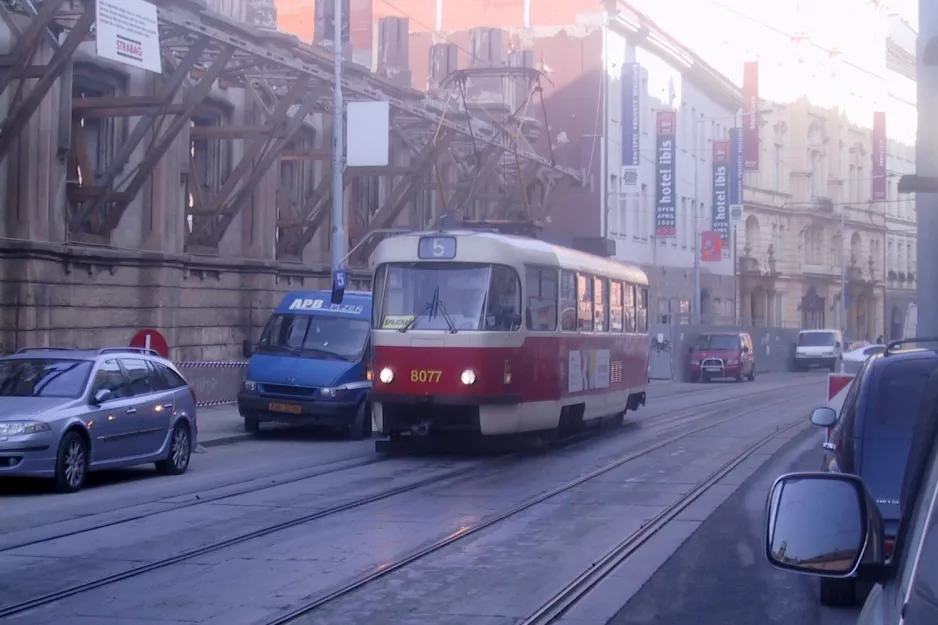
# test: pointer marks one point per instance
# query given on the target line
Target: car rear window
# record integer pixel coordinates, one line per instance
(816, 339)
(900, 393)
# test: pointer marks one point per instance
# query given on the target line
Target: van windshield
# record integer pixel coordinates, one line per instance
(718, 341)
(816, 339)
(315, 336)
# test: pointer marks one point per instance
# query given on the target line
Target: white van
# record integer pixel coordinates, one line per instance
(818, 348)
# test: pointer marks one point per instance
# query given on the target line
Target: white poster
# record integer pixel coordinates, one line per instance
(601, 375)
(574, 372)
(127, 31)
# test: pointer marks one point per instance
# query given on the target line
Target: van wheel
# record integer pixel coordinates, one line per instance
(180, 452)
(360, 428)
(71, 463)
(838, 593)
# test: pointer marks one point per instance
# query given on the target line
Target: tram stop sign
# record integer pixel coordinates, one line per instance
(339, 284)
(151, 339)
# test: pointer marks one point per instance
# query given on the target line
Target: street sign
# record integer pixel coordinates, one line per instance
(151, 339)
(736, 214)
(340, 280)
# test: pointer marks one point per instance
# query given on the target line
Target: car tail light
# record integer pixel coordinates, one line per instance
(192, 392)
(369, 371)
(890, 544)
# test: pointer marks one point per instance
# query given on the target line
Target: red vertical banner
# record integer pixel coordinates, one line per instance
(751, 116)
(360, 24)
(879, 157)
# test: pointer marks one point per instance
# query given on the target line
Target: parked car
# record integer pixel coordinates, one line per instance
(722, 355)
(65, 412)
(872, 436)
(829, 525)
(854, 359)
(818, 348)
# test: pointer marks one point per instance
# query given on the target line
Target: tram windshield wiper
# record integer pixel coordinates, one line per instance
(449, 320)
(429, 308)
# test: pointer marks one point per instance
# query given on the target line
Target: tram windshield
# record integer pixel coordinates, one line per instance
(447, 297)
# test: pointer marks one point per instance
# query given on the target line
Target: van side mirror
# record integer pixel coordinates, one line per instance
(247, 350)
(690, 350)
(745, 349)
(837, 344)
(823, 524)
(824, 417)
(101, 396)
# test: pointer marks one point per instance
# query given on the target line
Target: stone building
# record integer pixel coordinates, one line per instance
(190, 200)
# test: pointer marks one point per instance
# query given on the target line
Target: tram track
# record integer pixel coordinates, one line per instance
(207, 497)
(321, 600)
(662, 423)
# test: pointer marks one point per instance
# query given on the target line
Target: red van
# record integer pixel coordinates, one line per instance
(722, 355)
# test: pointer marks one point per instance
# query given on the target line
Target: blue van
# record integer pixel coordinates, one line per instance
(312, 365)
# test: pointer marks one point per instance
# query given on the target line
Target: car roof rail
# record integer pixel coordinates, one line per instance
(132, 350)
(45, 349)
(892, 346)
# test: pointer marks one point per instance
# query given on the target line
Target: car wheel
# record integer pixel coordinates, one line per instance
(838, 593)
(360, 428)
(252, 425)
(180, 452)
(71, 463)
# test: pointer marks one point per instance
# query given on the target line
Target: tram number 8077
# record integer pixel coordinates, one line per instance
(424, 376)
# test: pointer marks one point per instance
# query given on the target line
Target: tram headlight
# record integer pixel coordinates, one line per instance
(468, 377)
(386, 375)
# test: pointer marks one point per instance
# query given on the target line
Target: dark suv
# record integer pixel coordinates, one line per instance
(872, 436)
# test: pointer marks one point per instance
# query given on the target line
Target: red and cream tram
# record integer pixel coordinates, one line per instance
(492, 334)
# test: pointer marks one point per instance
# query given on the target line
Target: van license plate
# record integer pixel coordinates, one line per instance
(712, 369)
(290, 408)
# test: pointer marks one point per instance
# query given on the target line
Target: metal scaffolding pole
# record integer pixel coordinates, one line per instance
(926, 164)
(338, 147)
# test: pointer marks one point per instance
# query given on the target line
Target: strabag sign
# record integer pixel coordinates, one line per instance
(127, 31)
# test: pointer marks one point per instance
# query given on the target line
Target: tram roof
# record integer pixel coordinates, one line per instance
(513, 250)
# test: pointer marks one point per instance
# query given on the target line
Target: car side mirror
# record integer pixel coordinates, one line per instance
(745, 349)
(823, 524)
(824, 417)
(102, 396)
(690, 350)
(247, 350)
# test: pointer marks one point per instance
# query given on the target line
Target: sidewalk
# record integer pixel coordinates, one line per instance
(220, 425)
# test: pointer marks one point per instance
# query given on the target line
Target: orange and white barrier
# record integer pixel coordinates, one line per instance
(838, 384)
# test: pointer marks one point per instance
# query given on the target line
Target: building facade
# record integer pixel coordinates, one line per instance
(669, 78)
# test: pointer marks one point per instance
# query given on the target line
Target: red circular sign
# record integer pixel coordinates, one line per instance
(153, 340)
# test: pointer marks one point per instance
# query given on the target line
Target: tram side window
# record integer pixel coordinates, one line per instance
(567, 301)
(541, 293)
(616, 322)
(629, 296)
(641, 319)
(503, 304)
(584, 291)
(600, 305)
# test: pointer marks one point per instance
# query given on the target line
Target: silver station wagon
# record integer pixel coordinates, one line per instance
(65, 412)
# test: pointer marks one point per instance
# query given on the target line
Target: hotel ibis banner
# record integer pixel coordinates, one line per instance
(631, 82)
(879, 157)
(666, 132)
(721, 184)
(751, 116)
